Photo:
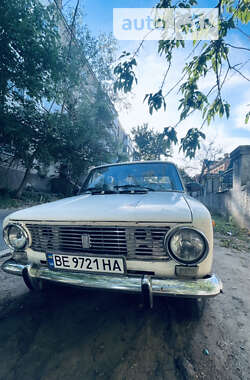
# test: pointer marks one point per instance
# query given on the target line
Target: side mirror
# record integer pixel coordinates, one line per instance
(193, 186)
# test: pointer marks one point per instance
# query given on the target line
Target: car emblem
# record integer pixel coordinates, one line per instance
(85, 241)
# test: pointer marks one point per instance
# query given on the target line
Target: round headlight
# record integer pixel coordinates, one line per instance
(15, 236)
(186, 245)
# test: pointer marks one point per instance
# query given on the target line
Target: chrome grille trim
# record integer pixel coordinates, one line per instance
(126, 240)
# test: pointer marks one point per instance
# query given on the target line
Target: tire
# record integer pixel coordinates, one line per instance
(33, 284)
(147, 298)
(195, 307)
(189, 308)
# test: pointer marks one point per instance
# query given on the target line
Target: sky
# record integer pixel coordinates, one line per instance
(226, 134)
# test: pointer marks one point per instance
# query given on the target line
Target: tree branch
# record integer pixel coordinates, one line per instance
(217, 74)
(73, 25)
(211, 90)
(219, 7)
(238, 47)
(225, 77)
(176, 84)
(166, 74)
(52, 103)
(238, 71)
(183, 76)
(45, 109)
(10, 88)
(141, 43)
(195, 109)
(245, 34)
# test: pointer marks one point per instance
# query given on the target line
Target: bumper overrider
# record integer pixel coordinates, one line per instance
(202, 287)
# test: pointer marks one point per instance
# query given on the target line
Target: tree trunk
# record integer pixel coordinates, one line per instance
(24, 180)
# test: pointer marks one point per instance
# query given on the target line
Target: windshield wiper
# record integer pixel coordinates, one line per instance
(118, 189)
(91, 189)
(99, 190)
(133, 188)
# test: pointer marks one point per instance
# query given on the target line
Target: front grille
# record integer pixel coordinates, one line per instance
(126, 241)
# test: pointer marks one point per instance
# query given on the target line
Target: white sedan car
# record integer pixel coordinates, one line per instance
(133, 228)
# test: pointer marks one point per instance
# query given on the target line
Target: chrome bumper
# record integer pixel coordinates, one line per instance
(202, 287)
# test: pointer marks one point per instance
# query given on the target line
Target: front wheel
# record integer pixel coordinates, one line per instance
(189, 308)
(195, 307)
(33, 284)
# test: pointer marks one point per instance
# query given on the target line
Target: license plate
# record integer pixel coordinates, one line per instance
(86, 263)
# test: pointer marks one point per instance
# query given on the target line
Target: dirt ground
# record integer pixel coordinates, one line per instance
(68, 333)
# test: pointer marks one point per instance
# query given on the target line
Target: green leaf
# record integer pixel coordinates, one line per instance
(125, 76)
(227, 109)
(191, 142)
(247, 117)
(221, 110)
(155, 101)
(151, 144)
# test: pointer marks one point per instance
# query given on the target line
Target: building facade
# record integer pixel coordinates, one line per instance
(228, 192)
(12, 172)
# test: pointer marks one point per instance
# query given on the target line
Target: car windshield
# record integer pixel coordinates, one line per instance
(134, 177)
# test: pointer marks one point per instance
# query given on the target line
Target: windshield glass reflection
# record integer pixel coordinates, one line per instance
(134, 177)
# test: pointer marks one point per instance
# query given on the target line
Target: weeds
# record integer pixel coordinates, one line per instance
(230, 234)
(28, 198)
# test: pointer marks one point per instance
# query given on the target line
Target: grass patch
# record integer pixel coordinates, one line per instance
(230, 234)
(7, 202)
(28, 199)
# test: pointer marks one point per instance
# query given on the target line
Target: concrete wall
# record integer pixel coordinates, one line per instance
(11, 178)
(233, 202)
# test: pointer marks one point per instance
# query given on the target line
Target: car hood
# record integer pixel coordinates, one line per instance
(149, 207)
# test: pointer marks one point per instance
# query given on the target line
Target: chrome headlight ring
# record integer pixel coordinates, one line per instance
(20, 244)
(169, 247)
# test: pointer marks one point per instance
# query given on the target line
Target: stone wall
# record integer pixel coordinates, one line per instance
(233, 202)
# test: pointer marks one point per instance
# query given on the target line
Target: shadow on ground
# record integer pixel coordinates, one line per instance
(67, 333)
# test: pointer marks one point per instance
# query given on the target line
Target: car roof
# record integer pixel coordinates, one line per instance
(135, 162)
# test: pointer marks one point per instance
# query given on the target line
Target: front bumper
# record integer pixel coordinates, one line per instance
(202, 287)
